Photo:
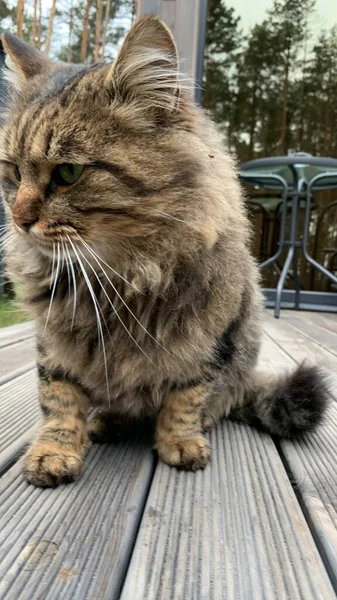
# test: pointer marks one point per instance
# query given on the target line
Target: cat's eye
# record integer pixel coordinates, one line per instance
(67, 174)
(17, 173)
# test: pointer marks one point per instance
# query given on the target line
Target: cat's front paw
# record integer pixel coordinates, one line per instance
(187, 453)
(50, 464)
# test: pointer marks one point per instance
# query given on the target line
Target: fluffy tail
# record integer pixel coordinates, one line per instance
(287, 406)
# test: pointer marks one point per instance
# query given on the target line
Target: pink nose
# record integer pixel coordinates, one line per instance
(26, 207)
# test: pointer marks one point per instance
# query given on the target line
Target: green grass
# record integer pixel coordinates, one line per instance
(10, 313)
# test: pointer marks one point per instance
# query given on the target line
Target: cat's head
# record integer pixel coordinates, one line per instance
(105, 151)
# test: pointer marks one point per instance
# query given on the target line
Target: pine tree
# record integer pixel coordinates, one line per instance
(288, 23)
(222, 47)
(50, 27)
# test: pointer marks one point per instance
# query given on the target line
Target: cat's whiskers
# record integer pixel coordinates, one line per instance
(54, 286)
(90, 249)
(113, 307)
(98, 319)
(6, 239)
(65, 258)
(52, 267)
(120, 297)
(171, 217)
(74, 286)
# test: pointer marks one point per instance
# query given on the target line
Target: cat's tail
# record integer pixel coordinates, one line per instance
(286, 405)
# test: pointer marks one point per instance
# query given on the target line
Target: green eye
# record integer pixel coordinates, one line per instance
(67, 174)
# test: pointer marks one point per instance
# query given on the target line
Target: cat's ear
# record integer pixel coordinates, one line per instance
(23, 61)
(145, 71)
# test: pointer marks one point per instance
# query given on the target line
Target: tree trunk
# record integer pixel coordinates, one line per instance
(134, 10)
(71, 25)
(105, 27)
(252, 124)
(50, 27)
(99, 8)
(39, 29)
(19, 18)
(33, 41)
(284, 118)
(84, 40)
(328, 116)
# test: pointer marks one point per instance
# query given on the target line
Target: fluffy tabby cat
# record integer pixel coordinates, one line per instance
(128, 236)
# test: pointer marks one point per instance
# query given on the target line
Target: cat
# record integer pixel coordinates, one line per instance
(129, 239)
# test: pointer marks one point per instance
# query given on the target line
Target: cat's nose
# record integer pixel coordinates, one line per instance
(26, 207)
(23, 222)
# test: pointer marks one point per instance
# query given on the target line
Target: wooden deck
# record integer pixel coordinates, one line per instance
(260, 522)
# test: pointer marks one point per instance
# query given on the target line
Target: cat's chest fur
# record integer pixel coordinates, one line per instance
(124, 352)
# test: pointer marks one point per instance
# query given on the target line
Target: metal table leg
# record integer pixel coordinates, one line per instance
(316, 180)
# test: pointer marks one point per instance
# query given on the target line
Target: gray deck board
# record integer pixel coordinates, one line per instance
(312, 461)
(237, 530)
(16, 333)
(14, 356)
(234, 531)
(19, 413)
(73, 541)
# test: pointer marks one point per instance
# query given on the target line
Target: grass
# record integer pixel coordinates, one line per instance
(10, 313)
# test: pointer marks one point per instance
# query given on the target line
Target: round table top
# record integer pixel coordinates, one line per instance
(291, 168)
(296, 160)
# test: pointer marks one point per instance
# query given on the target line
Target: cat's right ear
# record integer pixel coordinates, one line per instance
(23, 61)
(145, 75)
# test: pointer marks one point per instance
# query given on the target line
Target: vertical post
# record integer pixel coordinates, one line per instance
(187, 20)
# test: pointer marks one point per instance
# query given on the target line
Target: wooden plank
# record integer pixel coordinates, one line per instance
(326, 320)
(74, 541)
(19, 414)
(304, 323)
(311, 461)
(17, 355)
(233, 531)
(16, 333)
(300, 347)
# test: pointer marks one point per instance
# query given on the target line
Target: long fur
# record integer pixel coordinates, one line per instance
(158, 223)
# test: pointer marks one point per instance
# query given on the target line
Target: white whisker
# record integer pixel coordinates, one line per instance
(123, 301)
(106, 264)
(6, 239)
(99, 324)
(67, 264)
(52, 267)
(113, 307)
(170, 217)
(54, 287)
(74, 285)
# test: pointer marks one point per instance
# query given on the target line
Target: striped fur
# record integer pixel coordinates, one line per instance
(139, 275)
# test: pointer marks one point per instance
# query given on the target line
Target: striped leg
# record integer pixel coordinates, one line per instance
(179, 440)
(56, 455)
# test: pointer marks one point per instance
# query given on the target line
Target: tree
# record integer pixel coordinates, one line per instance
(255, 73)
(221, 51)
(20, 18)
(84, 40)
(288, 21)
(89, 33)
(34, 25)
(50, 26)
(7, 17)
(106, 23)
(71, 26)
(98, 27)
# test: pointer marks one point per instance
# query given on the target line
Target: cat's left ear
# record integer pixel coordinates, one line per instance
(23, 61)
(145, 72)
